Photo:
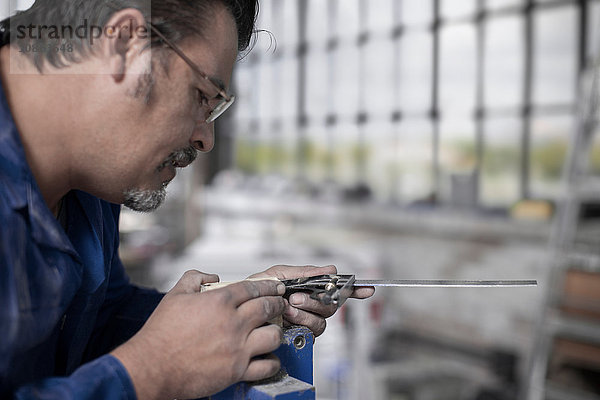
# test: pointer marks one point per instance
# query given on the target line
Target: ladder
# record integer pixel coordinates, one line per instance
(570, 247)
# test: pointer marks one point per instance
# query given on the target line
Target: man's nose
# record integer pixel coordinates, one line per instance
(203, 138)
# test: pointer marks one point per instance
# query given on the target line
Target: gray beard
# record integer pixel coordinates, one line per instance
(150, 200)
(145, 200)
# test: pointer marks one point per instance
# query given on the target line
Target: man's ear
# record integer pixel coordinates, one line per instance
(125, 36)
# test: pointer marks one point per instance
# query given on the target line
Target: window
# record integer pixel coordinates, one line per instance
(504, 63)
(549, 143)
(379, 94)
(457, 65)
(500, 165)
(405, 96)
(415, 70)
(417, 13)
(415, 159)
(555, 60)
(456, 9)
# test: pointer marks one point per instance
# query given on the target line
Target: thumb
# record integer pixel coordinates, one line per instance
(191, 281)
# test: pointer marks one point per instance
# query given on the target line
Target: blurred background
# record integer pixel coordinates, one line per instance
(405, 139)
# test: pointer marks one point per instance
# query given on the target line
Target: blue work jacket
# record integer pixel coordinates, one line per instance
(65, 300)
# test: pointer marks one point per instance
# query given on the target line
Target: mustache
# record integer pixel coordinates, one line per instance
(179, 158)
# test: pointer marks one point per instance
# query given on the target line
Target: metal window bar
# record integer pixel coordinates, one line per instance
(480, 84)
(301, 157)
(435, 101)
(332, 17)
(361, 119)
(276, 122)
(527, 98)
(396, 117)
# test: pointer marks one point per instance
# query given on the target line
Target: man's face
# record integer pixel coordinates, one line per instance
(158, 125)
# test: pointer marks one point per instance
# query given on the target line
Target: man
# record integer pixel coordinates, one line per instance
(87, 123)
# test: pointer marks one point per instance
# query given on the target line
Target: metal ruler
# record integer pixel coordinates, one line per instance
(335, 289)
(441, 283)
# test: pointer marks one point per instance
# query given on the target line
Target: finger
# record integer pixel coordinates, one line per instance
(240, 292)
(191, 281)
(257, 312)
(363, 292)
(292, 272)
(264, 340)
(304, 302)
(315, 323)
(261, 368)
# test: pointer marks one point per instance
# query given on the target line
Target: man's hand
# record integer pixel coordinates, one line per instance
(302, 310)
(196, 344)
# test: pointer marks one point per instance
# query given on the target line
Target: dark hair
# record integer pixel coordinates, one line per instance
(176, 19)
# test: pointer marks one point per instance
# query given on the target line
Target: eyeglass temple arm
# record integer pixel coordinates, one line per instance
(188, 61)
